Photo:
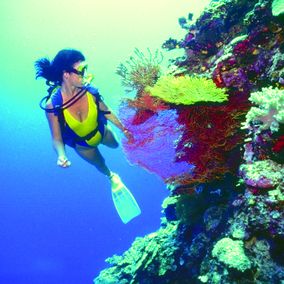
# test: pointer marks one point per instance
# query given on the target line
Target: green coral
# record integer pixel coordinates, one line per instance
(155, 253)
(263, 173)
(140, 70)
(269, 109)
(203, 278)
(238, 231)
(187, 90)
(232, 254)
(169, 201)
(277, 7)
(277, 194)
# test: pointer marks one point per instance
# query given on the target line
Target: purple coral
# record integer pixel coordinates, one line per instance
(153, 147)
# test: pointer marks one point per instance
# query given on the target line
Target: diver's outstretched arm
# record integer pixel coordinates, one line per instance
(114, 119)
(57, 141)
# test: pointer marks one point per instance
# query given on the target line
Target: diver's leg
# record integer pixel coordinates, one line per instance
(94, 157)
(109, 139)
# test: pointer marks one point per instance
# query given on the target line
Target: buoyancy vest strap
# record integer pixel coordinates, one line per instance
(74, 99)
(105, 111)
(88, 136)
(65, 105)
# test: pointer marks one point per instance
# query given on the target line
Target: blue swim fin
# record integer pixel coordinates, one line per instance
(124, 202)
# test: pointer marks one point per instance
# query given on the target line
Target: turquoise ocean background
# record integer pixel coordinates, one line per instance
(59, 225)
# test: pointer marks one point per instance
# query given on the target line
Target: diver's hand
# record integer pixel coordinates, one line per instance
(128, 135)
(63, 162)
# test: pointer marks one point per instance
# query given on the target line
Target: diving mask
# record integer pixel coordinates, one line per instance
(81, 70)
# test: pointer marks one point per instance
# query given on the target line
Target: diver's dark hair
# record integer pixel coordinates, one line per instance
(63, 61)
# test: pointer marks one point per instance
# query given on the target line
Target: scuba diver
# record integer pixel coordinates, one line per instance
(78, 116)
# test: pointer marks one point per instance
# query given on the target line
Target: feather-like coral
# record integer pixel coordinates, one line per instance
(186, 90)
(140, 70)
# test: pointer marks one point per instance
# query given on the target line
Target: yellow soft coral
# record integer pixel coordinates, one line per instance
(187, 90)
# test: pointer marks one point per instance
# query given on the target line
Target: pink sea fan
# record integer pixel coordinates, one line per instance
(153, 147)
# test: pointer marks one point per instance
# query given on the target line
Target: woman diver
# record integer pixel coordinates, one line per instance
(77, 117)
(75, 111)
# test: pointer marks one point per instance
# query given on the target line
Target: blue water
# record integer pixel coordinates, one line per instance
(59, 225)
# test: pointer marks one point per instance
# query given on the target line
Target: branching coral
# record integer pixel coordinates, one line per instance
(276, 71)
(187, 90)
(269, 110)
(265, 126)
(140, 70)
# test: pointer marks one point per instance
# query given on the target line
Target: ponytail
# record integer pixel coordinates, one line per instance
(44, 70)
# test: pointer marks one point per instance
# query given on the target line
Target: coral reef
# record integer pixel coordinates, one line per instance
(157, 249)
(241, 50)
(200, 123)
(203, 137)
(235, 46)
(223, 221)
(213, 129)
(172, 254)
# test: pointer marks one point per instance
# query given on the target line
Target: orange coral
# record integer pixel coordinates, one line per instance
(145, 101)
(146, 106)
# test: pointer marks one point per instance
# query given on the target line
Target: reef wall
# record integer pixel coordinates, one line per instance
(218, 114)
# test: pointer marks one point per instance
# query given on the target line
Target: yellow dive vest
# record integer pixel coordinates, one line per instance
(87, 125)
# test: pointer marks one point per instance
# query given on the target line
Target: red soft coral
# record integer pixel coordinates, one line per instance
(279, 144)
(211, 134)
